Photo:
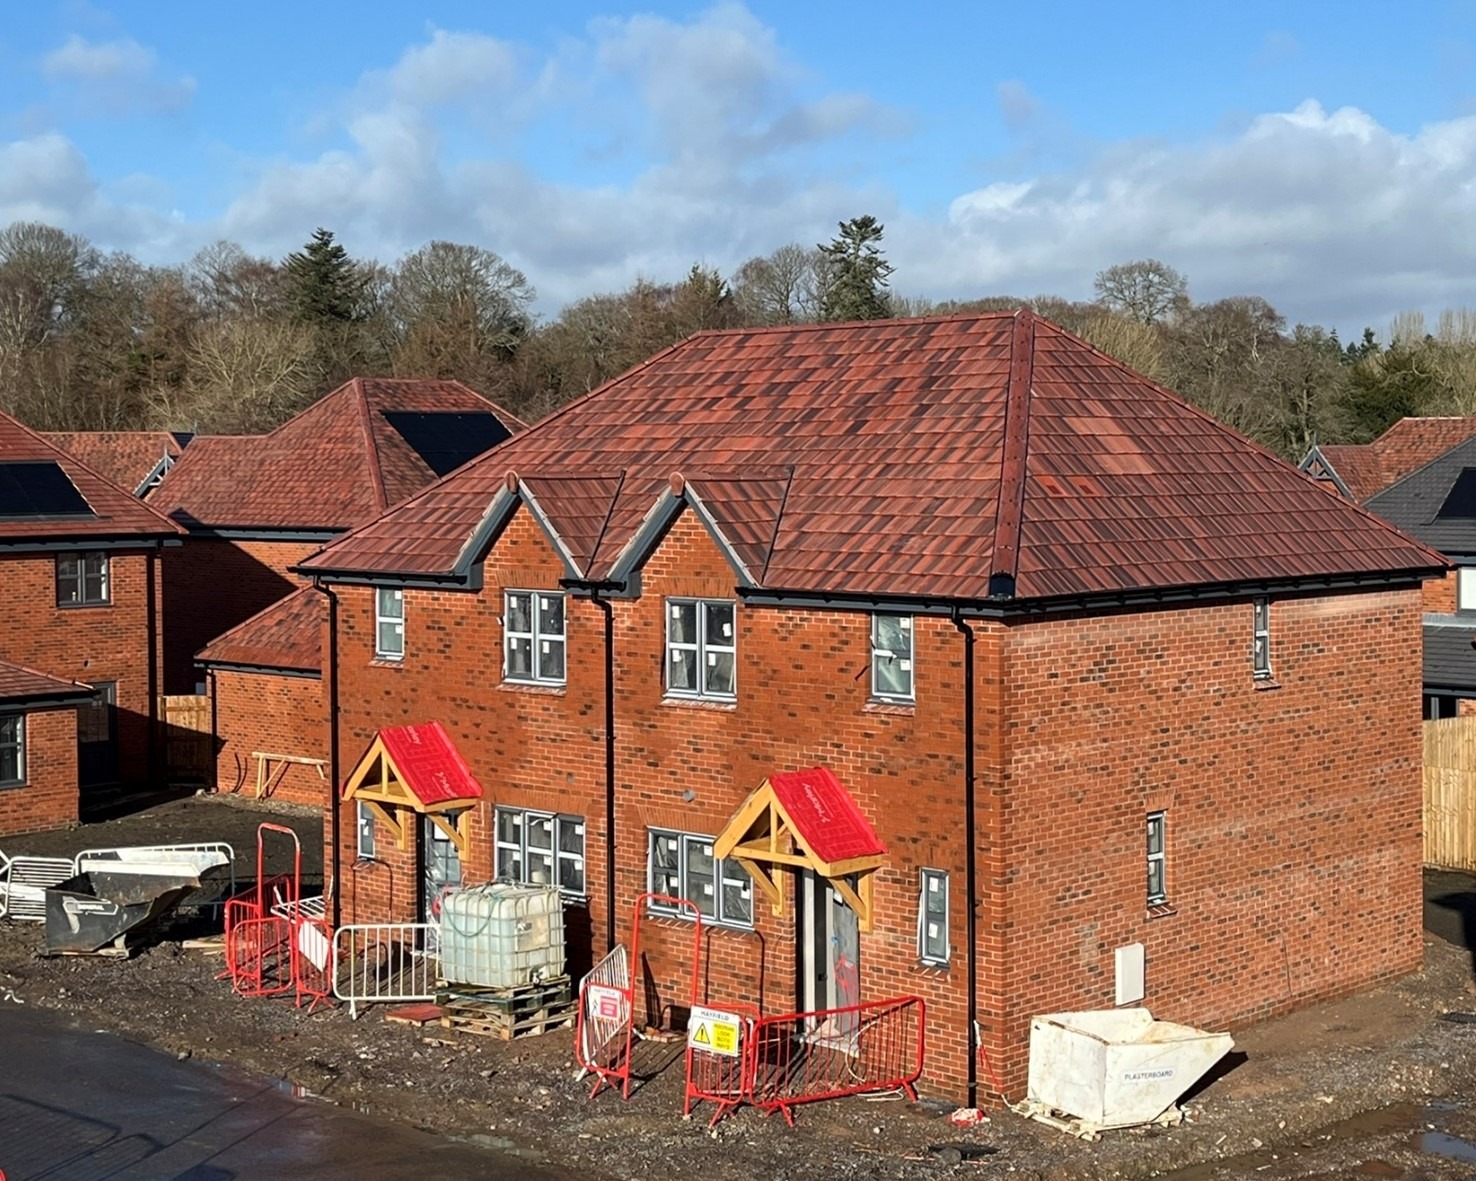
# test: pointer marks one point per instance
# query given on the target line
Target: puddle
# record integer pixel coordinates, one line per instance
(1450, 1147)
(500, 1144)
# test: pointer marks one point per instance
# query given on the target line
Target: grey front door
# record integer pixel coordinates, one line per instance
(440, 867)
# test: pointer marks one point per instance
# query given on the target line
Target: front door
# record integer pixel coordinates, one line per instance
(830, 953)
(97, 737)
(440, 867)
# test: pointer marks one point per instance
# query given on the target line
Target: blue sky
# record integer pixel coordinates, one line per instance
(1321, 155)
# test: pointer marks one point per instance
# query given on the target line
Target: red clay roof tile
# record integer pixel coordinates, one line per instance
(287, 635)
(909, 441)
(1366, 469)
(19, 684)
(128, 458)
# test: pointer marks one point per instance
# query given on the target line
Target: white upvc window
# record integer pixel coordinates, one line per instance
(1157, 858)
(701, 649)
(366, 832)
(681, 865)
(1261, 639)
(932, 917)
(12, 750)
(1466, 588)
(891, 657)
(82, 579)
(540, 849)
(389, 623)
(533, 637)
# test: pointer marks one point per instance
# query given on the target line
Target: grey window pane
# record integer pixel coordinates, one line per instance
(664, 852)
(391, 604)
(519, 613)
(683, 623)
(509, 864)
(520, 657)
(891, 636)
(551, 660)
(571, 875)
(719, 678)
(666, 883)
(682, 670)
(551, 615)
(68, 567)
(571, 837)
(1155, 879)
(720, 623)
(509, 826)
(1155, 837)
(1263, 652)
(737, 904)
(95, 589)
(891, 679)
(540, 833)
(540, 869)
(701, 879)
(391, 637)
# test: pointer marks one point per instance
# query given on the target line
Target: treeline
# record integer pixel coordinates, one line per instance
(229, 342)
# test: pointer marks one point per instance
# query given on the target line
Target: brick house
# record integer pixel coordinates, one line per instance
(1086, 671)
(1414, 475)
(81, 564)
(254, 505)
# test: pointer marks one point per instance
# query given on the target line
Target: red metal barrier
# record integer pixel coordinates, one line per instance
(718, 1060)
(803, 1057)
(312, 961)
(259, 956)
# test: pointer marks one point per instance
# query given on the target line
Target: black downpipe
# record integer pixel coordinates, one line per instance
(330, 671)
(151, 605)
(971, 912)
(609, 611)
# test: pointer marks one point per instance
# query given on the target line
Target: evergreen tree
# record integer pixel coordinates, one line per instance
(325, 285)
(855, 273)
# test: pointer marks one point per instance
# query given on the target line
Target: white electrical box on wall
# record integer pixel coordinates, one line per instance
(1130, 983)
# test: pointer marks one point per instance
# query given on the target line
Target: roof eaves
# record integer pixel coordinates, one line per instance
(499, 511)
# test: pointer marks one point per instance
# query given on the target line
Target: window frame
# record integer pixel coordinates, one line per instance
(723, 874)
(908, 661)
(702, 647)
(1261, 638)
(537, 638)
(1157, 820)
(17, 744)
(365, 826)
(558, 855)
(79, 579)
(1465, 581)
(925, 876)
(381, 618)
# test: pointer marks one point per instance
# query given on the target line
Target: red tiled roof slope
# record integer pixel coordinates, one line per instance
(1366, 469)
(577, 508)
(117, 512)
(128, 458)
(895, 431)
(19, 683)
(335, 465)
(287, 635)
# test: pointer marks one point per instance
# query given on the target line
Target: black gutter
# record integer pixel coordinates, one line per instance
(215, 734)
(23, 702)
(971, 909)
(609, 613)
(330, 672)
(305, 674)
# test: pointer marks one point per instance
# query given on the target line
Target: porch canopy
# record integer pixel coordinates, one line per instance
(805, 820)
(415, 769)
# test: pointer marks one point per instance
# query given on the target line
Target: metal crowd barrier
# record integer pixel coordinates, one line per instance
(374, 962)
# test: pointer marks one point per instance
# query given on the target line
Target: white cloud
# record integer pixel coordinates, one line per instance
(114, 78)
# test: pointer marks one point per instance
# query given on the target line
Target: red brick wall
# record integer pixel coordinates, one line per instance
(210, 585)
(49, 797)
(278, 715)
(1154, 705)
(104, 643)
(1440, 594)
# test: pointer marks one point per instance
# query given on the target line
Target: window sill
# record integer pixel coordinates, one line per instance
(15, 785)
(1161, 910)
(544, 688)
(937, 968)
(1263, 684)
(901, 709)
(722, 704)
(83, 606)
(387, 662)
(679, 923)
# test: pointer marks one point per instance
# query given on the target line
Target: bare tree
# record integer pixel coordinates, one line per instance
(245, 375)
(1147, 290)
(782, 288)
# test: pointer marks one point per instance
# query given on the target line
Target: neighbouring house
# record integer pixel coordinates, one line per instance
(946, 657)
(135, 460)
(254, 505)
(81, 585)
(1414, 476)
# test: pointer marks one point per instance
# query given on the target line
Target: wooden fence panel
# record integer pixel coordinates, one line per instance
(1450, 793)
(189, 746)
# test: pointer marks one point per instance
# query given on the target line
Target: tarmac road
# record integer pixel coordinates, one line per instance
(83, 1106)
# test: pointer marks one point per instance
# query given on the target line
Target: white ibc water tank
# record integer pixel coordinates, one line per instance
(501, 935)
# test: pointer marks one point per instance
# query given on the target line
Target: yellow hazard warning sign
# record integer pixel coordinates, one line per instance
(715, 1031)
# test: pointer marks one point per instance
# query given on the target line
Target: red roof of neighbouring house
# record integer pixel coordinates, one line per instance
(967, 457)
(287, 635)
(337, 464)
(1366, 469)
(824, 815)
(19, 684)
(109, 511)
(429, 763)
(129, 458)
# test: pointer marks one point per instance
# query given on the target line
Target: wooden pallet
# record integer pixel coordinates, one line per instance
(509, 1013)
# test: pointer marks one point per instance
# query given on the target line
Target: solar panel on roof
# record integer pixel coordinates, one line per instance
(39, 489)
(1460, 501)
(447, 439)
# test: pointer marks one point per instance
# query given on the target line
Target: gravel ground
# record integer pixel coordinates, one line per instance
(1372, 1085)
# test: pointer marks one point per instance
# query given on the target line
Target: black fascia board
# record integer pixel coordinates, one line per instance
(54, 699)
(36, 545)
(471, 581)
(263, 532)
(274, 670)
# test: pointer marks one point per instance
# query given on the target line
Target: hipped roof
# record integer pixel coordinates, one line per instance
(966, 457)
